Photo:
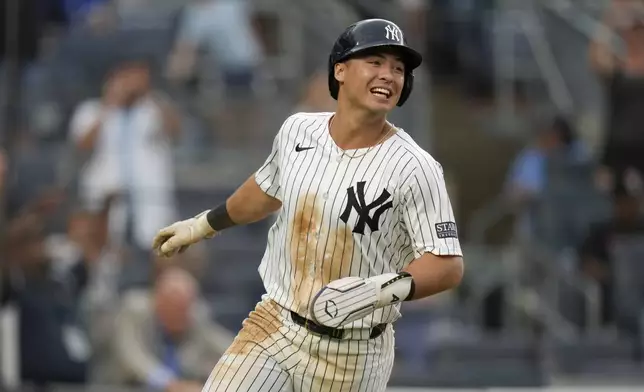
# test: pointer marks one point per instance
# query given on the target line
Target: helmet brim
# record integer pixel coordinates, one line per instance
(411, 58)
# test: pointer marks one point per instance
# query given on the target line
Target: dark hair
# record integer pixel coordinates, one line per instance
(564, 130)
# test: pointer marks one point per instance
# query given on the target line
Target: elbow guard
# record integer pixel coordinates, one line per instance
(352, 298)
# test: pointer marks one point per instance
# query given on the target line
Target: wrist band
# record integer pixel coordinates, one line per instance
(219, 219)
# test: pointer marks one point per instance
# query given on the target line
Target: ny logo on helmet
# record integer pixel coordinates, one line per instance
(393, 33)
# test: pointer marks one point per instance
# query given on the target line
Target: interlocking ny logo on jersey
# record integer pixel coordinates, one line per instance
(393, 33)
(364, 210)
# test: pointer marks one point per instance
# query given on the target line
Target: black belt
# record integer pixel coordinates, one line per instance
(336, 333)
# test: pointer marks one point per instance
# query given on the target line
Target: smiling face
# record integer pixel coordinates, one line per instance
(372, 81)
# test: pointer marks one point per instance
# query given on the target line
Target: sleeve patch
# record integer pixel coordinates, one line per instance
(446, 230)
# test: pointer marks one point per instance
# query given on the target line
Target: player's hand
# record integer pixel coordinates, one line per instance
(348, 299)
(180, 235)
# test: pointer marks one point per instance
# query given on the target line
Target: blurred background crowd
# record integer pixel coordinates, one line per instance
(120, 116)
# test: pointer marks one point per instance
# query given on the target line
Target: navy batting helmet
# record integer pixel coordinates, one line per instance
(371, 34)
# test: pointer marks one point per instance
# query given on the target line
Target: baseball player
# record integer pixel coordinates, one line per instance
(364, 222)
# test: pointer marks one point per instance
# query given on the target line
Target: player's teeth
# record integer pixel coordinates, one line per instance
(379, 91)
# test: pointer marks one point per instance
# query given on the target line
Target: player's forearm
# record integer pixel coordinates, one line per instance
(247, 205)
(434, 274)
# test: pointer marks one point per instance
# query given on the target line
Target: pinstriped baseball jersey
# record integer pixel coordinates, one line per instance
(360, 212)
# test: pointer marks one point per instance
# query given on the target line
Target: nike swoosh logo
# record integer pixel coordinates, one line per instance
(298, 148)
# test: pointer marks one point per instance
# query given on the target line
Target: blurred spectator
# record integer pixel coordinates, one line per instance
(595, 253)
(212, 26)
(223, 31)
(83, 242)
(128, 134)
(165, 338)
(53, 342)
(623, 77)
(527, 177)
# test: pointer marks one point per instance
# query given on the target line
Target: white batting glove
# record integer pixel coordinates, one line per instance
(180, 235)
(348, 299)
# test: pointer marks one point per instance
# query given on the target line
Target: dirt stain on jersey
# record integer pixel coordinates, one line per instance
(258, 327)
(256, 331)
(318, 255)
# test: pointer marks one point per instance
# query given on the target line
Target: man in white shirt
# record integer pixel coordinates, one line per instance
(129, 133)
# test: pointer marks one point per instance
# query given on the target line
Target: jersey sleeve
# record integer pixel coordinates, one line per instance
(268, 175)
(427, 213)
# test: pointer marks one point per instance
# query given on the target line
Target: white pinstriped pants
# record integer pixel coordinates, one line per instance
(273, 354)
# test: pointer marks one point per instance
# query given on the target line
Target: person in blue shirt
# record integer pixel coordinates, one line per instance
(527, 177)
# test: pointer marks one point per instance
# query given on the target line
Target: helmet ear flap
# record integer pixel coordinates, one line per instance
(407, 87)
(334, 86)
